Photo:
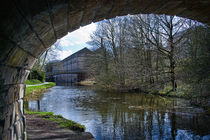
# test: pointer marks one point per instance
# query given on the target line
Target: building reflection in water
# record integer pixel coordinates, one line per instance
(125, 116)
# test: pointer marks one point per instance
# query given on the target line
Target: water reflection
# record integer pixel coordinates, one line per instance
(131, 116)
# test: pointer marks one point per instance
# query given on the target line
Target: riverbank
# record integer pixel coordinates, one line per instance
(182, 92)
(33, 82)
(49, 126)
(40, 88)
(87, 82)
(93, 109)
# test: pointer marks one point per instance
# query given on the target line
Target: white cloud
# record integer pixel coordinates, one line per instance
(78, 42)
(61, 54)
(83, 33)
(64, 43)
(71, 44)
(79, 36)
(74, 41)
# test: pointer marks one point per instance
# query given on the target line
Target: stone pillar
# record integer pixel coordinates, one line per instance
(12, 120)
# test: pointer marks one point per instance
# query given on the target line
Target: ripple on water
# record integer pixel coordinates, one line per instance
(126, 116)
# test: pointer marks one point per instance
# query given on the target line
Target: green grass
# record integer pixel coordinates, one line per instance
(181, 92)
(60, 120)
(33, 82)
(39, 88)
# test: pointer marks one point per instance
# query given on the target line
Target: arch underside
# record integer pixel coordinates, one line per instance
(28, 28)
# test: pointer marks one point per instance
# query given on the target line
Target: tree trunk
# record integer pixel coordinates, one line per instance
(171, 55)
(173, 80)
(105, 56)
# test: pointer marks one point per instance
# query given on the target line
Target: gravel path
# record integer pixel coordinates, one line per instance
(37, 84)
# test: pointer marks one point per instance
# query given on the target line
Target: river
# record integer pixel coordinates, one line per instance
(125, 116)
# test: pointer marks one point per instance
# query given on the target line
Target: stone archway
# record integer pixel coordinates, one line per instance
(28, 28)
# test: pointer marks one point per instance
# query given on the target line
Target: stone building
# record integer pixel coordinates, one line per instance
(71, 69)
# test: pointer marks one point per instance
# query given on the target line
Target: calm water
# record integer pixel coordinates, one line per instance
(125, 116)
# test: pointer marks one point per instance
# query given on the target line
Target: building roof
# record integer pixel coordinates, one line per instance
(84, 50)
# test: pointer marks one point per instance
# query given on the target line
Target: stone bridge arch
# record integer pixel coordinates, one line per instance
(29, 27)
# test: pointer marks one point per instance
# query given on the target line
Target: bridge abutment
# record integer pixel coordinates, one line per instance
(12, 120)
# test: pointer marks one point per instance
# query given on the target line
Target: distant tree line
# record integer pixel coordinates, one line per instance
(150, 53)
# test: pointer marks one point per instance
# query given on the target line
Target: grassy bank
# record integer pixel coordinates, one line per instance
(87, 82)
(37, 89)
(60, 120)
(181, 92)
(33, 82)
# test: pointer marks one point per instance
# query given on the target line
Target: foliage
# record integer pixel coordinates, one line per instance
(43, 77)
(195, 67)
(33, 82)
(136, 51)
(39, 88)
(181, 92)
(152, 53)
(60, 120)
(36, 74)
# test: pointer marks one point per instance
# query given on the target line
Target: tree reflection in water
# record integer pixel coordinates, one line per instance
(127, 116)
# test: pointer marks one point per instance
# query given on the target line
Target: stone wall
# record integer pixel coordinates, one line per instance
(29, 27)
(11, 116)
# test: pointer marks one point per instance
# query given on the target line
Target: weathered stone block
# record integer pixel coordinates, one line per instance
(75, 19)
(9, 75)
(21, 127)
(25, 136)
(20, 105)
(18, 113)
(21, 90)
(1, 130)
(24, 123)
(9, 94)
(1, 115)
(7, 122)
(89, 12)
(7, 111)
(103, 10)
(13, 119)
(77, 5)
(6, 135)
(60, 22)
(44, 29)
(12, 23)
(5, 47)
(32, 44)
(115, 10)
(1, 98)
(18, 57)
(18, 130)
(12, 132)
(48, 38)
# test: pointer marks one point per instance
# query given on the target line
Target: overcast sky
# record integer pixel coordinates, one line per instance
(75, 41)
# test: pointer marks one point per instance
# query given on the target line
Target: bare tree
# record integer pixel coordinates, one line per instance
(164, 34)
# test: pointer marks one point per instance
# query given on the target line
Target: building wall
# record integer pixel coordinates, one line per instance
(66, 78)
(72, 68)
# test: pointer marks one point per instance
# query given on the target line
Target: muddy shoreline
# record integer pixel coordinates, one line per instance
(39, 128)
